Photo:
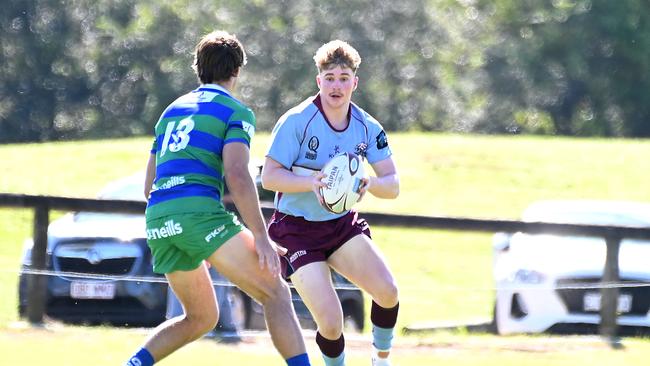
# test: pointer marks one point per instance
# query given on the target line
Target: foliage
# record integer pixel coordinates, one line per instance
(574, 67)
(88, 69)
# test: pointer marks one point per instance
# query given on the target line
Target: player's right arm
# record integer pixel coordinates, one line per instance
(285, 146)
(275, 177)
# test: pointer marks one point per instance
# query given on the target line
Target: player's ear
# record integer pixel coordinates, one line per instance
(318, 80)
(236, 72)
(356, 83)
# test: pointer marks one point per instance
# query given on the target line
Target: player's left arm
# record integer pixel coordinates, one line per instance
(386, 182)
(150, 175)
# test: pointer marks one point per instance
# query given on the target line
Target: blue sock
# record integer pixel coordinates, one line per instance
(141, 358)
(300, 360)
(336, 361)
(382, 338)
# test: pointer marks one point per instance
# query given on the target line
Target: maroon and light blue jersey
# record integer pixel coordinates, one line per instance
(303, 140)
(189, 140)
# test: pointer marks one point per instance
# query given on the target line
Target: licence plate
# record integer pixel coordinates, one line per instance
(92, 290)
(592, 302)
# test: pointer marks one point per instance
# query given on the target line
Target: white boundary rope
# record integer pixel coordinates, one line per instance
(152, 279)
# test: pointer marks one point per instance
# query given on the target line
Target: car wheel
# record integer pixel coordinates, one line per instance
(353, 319)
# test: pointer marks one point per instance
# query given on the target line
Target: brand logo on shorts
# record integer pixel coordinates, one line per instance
(216, 232)
(170, 228)
(297, 255)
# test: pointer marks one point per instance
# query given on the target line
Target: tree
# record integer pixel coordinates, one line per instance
(107, 68)
(571, 67)
(43, 90)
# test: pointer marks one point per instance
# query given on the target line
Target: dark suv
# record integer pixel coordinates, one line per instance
(103, 272)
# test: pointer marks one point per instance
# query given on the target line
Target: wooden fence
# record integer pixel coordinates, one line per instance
(612, 235)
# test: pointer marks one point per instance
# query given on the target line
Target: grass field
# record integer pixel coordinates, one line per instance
(72, 346)
(443, 276)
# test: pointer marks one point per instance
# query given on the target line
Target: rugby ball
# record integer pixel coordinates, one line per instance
(343, 175)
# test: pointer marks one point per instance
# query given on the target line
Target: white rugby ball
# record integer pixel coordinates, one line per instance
(343, 175)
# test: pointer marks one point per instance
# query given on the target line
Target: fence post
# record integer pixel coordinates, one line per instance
(36, 287)
(609, 295)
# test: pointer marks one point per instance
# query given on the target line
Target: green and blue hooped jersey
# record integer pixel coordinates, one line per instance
(189, 140)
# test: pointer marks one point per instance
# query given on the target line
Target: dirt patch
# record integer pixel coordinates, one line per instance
(446, 343)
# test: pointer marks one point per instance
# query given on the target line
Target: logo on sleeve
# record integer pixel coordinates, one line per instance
(382, 140)
(248, 128)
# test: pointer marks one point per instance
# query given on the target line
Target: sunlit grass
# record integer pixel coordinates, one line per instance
(443, 276)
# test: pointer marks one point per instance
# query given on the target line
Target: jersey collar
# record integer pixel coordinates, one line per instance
(319, 104)
(214, 87)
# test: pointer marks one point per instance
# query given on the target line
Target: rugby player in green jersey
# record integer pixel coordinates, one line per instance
(201, 143)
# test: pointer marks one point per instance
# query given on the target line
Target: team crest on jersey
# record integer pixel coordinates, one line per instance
(361, 149)
(312, 146)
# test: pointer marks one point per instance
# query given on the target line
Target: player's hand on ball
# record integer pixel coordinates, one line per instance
(365, 185)
(317, 183)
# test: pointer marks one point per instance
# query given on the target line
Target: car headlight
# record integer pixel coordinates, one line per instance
(528, 276)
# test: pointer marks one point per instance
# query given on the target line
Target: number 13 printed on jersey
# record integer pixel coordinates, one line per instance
(179, 138)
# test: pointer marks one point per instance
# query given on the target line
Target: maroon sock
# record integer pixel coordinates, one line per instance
(382, 317)
(330, 348)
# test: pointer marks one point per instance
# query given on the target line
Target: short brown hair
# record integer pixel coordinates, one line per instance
(337, 53)
(218, 56)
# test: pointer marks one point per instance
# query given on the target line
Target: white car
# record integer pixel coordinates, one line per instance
(549, 282)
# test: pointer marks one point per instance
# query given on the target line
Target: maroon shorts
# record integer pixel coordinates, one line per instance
(312, 241)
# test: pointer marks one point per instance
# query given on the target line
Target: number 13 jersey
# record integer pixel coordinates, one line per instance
(189, 140)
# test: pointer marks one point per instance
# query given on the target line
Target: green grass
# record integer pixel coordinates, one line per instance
(443, 275)
(72, 346)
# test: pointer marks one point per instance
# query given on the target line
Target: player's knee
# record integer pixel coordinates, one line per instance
(275, 292)
(202, 322)
(330, 325)
(388, 295)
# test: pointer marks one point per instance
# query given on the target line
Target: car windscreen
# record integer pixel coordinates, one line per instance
(590, 218)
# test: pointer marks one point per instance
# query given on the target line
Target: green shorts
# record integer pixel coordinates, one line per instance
(181, 242)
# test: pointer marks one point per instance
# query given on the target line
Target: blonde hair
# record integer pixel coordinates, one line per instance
(337, 53)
